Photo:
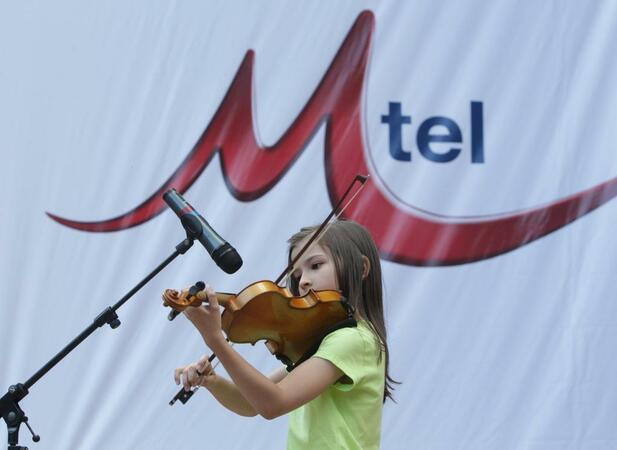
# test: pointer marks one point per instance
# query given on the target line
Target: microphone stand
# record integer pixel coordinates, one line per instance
(12, 414)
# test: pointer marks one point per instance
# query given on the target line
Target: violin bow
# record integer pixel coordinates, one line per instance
(325, 224)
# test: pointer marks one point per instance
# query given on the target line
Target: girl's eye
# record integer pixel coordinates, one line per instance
(316, 265)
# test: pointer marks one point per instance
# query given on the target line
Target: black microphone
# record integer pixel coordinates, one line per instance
(223, 254)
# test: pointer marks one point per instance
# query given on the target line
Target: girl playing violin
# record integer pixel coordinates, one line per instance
(335, 397)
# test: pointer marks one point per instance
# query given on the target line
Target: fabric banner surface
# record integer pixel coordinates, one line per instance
(487, 131)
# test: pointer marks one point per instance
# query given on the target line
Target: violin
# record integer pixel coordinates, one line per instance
(292, 326)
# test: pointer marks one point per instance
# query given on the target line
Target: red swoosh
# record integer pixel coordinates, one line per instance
(250, 170)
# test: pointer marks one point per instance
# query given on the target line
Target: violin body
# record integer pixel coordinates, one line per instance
(292, 326)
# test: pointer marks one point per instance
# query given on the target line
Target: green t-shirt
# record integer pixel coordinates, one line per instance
(347, 415)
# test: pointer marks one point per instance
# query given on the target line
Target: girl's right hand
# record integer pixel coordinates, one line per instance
(199, 373)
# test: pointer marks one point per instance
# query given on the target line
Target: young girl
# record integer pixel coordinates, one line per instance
(335, 397)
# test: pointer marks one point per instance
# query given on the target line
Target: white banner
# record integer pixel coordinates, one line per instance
(487, 130)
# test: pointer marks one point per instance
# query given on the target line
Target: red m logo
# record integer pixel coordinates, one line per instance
(251, 170)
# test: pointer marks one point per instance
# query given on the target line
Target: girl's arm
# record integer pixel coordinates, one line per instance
(228, 394)
(268, 399)
(223, 390)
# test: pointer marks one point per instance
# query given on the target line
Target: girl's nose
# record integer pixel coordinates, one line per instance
(305, 283)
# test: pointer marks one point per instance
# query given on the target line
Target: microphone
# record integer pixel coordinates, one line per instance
(223, 254)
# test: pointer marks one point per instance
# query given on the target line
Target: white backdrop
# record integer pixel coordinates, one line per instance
(102, 102)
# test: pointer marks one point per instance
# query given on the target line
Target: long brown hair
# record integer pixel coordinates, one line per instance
(348, 242)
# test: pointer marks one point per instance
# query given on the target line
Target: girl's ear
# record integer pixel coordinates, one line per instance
(366, 267)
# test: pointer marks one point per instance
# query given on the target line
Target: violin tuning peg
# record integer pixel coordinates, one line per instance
(199, 286)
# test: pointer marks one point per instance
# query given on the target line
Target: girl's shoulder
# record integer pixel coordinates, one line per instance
(358, 340)
(356, 352)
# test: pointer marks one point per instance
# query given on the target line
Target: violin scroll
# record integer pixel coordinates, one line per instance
(179, 301)
(194, 296)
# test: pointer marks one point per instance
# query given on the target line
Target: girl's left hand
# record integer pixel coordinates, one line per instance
(207, 318)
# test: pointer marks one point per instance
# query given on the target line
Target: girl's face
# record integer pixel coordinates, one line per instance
(315, 269)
